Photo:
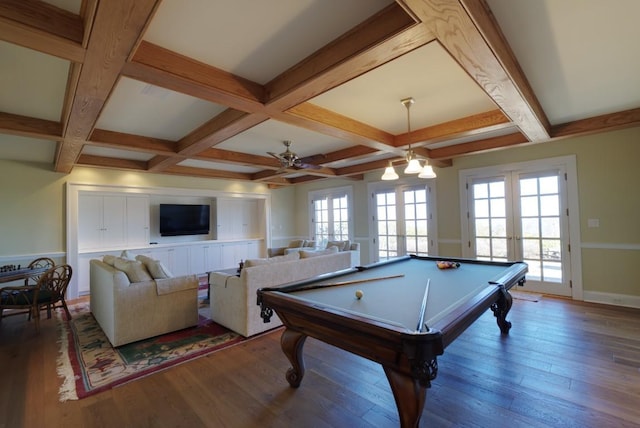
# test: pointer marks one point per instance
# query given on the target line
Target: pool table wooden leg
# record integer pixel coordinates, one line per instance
(501, 309)
(409, 395)
(292, 343)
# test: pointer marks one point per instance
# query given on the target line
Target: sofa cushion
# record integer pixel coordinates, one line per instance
(296, 243)
(307, 254)
(135, 270)
(155, 267)
(173, 285)
(340, 245)
(271, 260)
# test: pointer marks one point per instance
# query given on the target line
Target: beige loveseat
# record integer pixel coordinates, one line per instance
(131, 306)
(233, 298)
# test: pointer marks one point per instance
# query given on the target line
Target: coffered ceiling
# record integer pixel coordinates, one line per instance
(208, 88)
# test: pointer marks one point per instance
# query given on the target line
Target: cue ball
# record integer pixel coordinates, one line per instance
(359, 294)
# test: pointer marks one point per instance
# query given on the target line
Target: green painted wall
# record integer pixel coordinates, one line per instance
(608, 173)
(33, 201)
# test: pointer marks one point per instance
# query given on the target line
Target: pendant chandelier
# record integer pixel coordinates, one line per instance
(413, 164)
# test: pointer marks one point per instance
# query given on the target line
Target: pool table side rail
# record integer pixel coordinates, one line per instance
(392, 345)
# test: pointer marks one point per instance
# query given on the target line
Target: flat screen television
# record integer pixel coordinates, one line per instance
(184, 219)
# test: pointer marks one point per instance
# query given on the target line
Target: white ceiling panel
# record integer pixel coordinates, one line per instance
(31, 83)
(257, 40)
(142, 109)
(18, 148)
(269, 136)
(441, 89)
(575, 53)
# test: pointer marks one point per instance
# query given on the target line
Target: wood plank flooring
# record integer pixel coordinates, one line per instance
(564, 364)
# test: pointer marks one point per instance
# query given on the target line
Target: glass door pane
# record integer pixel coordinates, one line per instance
(340, 218)
(387, 224)
(416, 219)
(321, 221)
(490, 235)
(541, 227)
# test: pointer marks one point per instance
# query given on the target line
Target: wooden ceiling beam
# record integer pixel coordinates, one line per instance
(120, 140)
(333, 124)
(106, 162)
(162, 67)
(45, 17)
(605, 122)
(478, 146)
(41, 41)
(206, 173)
(465, 127)
(385, 36)
(30, 127)
(228, 156)
(104, 60)
(469, 32)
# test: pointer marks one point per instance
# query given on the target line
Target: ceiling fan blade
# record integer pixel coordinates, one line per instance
(303, 165)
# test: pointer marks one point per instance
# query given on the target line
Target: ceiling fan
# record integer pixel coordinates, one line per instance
(289, 159)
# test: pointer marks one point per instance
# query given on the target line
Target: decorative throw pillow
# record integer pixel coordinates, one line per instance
(135, 270)
(296, 243)
(155, 267)
(108, 259)
(340, 245)
(309, 244)
(126, 254)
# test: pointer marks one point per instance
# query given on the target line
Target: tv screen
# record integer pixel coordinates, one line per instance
(182, 219)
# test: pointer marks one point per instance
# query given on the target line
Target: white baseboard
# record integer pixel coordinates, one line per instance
(626, 300)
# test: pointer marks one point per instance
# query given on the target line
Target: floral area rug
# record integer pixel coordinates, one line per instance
(89, 364)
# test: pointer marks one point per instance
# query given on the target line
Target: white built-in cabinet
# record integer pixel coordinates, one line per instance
(236, 218)
(109, 222)
(101, 221)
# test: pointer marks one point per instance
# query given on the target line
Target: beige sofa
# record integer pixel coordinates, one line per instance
(128, 311)
(233, 298)
(353, 248)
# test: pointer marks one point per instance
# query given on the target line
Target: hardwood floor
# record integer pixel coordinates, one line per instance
(564, 364)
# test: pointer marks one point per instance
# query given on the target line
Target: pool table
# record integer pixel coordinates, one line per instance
(409, 311)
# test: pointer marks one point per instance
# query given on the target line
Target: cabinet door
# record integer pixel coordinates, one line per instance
(137, 221)
(114, 221)
(89, 222)
(213, 255)
(179, 261)
(197, 259)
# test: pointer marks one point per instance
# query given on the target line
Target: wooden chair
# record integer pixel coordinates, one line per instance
(42, 262)
(21, 299)
(52, 289)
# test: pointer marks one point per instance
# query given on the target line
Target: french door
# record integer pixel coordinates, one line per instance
(402, 221)
(522, 215)
(330, 216)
